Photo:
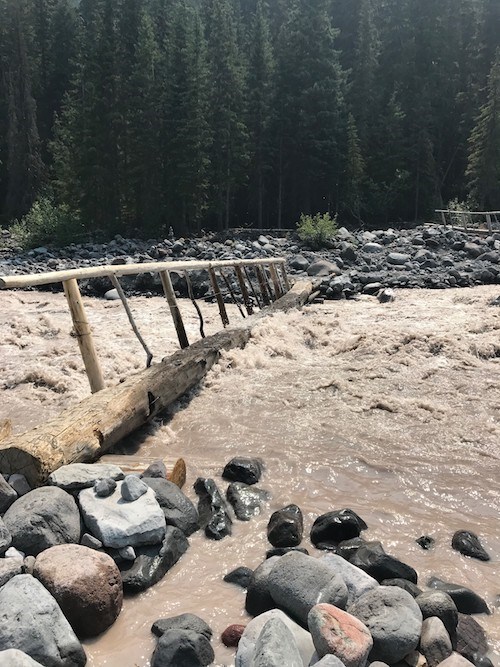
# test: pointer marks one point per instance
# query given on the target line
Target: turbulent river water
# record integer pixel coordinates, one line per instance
(392, 410)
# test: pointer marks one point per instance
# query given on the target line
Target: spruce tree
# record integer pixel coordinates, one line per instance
(354, 173)
(483, 171)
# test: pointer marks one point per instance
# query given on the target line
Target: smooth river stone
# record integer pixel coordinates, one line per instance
(118, 523)
(76, 476)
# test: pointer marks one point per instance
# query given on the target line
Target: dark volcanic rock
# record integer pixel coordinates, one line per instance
(241, 576)
(285, 527)
(426, 542)
(241, 469)
(347, 548)
(467, 601)
(468, 544)
(178, 509)
(408, 586)
(182, 648)
(281, 551)
(258, 598)
(7, 495)
(156, 469)
(245, 500)
(212, 509)
(153, 562)
(337, 526)
(471, 638)
(43, 518)
(373, 560)
(182, 622)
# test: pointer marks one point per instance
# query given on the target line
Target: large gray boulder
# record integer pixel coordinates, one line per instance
(439, 604)
(276, 646)
(43, 518)
(118, 523)
(435, 642)
(9, 567)
(297, 582)
(182, 648)
(77, 476)
(33, 622)
(179, 511)
(246, 646)
(358, 582)
(12, 657)
(394, 620)
(258, 599)
(7, 495)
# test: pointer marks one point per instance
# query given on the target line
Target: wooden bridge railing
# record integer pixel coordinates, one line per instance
(69, 279)
(467, 218)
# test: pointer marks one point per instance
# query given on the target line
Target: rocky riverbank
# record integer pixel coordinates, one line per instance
(71, 550)
(355, 262)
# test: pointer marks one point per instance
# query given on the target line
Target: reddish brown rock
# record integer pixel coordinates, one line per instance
(86, 584)
(232, 635)
(337, 632)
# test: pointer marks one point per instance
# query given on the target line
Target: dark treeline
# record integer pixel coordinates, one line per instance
(137, 115)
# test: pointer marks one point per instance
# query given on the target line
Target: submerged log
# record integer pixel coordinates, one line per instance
(85, 431)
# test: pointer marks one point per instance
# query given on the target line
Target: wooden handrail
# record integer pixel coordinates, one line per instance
(32, 280)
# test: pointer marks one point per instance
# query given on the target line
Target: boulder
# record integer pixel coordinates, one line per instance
(7, 495)
(258, 599)
(471, 638)
(466, 601)
(394, 620)
(426, 542)
(245, 500)
(153, 562)
(88, 540)
(212, 509)
(77, 476)
(182, 647)
(356, 580)
(5, 537)
(276, 646)
(337, 526)
(286, 527)
(328, 661)
(43, 518)
(120, 524)
(182, 622)
(241, 469)
(20, 484)
(249, 638)
(157, 469)
(347, 548)
(435, 642)
(379, 565)
(85, 583)
(178, 509)
(468, 544)
(299, 262)
(104, 487)
(322, 267)
(398, 258)
(241, 576)
(408, 586)
(132, 488)
(337, 632)
(297, 582)
(281, 551)
(455, 660)
(33, 622)
(9, 567)
(439, 604)
(232, 635)
(12, 657)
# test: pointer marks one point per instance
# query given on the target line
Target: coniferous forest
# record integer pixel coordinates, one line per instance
(133, 116)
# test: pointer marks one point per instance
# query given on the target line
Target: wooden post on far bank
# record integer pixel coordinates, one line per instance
(278, 292)
(84, 335)
(220, 301)
(174, 309)
(244, 290)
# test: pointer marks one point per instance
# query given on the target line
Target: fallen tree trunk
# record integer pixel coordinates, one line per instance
(87, 430)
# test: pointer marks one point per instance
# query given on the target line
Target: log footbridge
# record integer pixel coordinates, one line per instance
(85, 431)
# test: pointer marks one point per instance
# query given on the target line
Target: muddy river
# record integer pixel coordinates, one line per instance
(392, 410)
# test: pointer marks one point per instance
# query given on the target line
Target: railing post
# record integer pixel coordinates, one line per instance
(83, 334)
(174, 308)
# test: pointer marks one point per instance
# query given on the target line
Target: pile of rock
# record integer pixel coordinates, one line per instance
(71, 549)
(355, 261)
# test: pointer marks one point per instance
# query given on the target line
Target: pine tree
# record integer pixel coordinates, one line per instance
(229, 155)
(25, 168)
(352, 196)
(260, 107)
(483, 171)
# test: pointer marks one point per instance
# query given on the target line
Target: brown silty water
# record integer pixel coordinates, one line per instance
(391, 410)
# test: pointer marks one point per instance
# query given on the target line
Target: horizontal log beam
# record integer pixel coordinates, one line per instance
(32, 280)
(87, 430)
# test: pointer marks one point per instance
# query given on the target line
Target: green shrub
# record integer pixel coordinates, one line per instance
(317, 230)
(46, 223)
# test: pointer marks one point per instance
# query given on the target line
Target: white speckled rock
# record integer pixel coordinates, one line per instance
(118, 523)
(13, 657)
(77, 476)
